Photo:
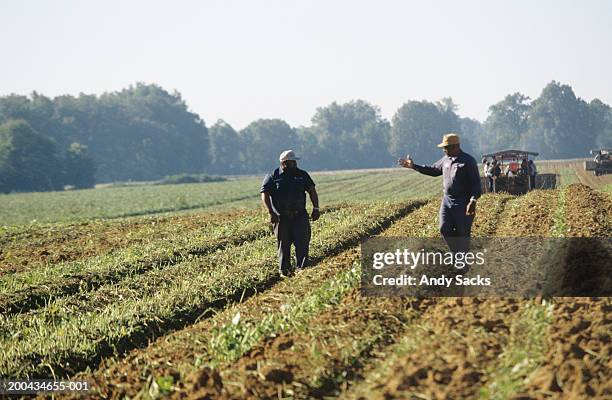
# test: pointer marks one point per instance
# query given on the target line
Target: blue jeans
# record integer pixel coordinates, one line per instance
(455, 226)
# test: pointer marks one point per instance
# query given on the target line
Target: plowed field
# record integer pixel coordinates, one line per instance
(192, 306)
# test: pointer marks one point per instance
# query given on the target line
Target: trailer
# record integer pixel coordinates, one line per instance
(514, 177)
(601, 163)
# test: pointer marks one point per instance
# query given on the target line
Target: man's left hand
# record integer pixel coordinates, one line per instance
(471, 208)
(315, 214)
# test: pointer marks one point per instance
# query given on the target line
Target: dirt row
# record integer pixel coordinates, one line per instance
(578, 360)
(286, 365)
(446, 355)
(458, 341)
(175, 355)
(588, 212)
(576, 364)
(529, 215)
(311, 363)
(63, 243)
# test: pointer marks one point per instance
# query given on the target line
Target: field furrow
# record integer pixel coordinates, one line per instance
(214, 341)
(347, 350)
(454, 348)
(45, 245)
(579, 348)
(191, 305)
(419, 221)
(68, 336)
(32, 289)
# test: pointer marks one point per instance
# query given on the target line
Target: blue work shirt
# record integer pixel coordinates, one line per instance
(461, 178)
(288, 190)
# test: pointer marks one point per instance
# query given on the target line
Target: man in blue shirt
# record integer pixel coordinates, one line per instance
(283, 193)
(461, 181)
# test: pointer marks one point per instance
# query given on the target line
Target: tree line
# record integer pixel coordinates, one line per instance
(145, 133)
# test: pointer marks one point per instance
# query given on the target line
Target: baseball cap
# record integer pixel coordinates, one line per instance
(288, 155)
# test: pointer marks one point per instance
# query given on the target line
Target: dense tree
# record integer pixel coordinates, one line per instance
(145, 133)
(140, 133)
(473, 136)
(351, 134)
(418, 127)
(506, 123)
(600, 123)
(558, 123)
(29, 161)
(263, 140)
(79, 168)
(226, 152)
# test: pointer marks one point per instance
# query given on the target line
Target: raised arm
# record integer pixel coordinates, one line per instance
(433, 170)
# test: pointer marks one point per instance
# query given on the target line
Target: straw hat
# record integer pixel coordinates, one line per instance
(449, 139)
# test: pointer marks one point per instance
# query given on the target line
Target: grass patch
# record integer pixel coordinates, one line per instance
(559, 223)
(606, 188)
(232, 340)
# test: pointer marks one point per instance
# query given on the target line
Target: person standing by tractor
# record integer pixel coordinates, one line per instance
(493, 173)
(486, 170)
(462, 188)
(283, 193)
(533, 171)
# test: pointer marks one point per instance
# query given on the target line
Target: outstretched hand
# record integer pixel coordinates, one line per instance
(405, 162)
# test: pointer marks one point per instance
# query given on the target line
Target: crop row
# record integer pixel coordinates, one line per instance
(34, 288)
(515, 353)
(42, 245)
(120, 202)
(339, 354)
(222, 338)
(354, 339)
(279, 309)
(72, 333)
(493, 349)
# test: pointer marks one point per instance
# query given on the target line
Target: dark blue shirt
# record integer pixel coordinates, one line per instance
(288, 190)
(460, 175)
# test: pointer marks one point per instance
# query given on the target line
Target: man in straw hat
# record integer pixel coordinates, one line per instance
(461, 182)
(283, 193)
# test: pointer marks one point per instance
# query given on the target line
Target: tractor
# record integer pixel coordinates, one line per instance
(601, 163)
(514, 177)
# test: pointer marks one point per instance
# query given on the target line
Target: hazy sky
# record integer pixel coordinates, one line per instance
(243, 60)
